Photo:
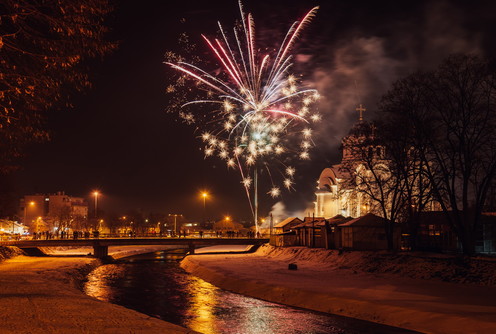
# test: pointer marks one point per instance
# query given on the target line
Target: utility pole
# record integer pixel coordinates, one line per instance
(313, 230)
(175, 215)
(271, 224)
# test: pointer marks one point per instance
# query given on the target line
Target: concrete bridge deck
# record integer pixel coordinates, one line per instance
(100, 245)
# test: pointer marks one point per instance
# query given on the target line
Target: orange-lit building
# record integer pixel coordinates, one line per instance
(334, 196)
(39, 211)
(342, 188)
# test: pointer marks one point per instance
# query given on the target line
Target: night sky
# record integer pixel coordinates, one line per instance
(119, 139)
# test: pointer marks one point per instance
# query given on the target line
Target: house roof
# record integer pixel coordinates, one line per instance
(336, 220)
(309, 222)
(287, 221)
(368, 220)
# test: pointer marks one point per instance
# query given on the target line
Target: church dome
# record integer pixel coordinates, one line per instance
(362, 129)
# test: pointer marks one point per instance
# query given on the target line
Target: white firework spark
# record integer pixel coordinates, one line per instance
(259, 108)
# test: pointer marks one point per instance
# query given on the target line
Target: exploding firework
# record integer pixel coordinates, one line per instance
(258, 116)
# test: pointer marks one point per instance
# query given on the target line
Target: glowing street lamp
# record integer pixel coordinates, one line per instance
(204, 195)
(96, 194)
(31, 204)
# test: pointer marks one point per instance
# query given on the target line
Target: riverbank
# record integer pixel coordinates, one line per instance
(329, 282)
(42, 295)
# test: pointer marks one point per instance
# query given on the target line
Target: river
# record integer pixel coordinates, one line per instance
(154, 284)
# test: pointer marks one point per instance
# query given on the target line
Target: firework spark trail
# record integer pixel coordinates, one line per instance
(260, 105)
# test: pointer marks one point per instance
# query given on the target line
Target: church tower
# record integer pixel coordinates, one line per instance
(359, 132)
(333, 196)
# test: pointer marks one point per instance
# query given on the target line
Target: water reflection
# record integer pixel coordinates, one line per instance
(154, 284)
(218, 311)
(100, 280)
(201, 308)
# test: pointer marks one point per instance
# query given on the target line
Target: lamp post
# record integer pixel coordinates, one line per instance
(96, 193)
(26, 211)
(204, 196)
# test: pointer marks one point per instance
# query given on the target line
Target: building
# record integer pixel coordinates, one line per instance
(41, 212)
(365, 233)
(287, 225)
(10, 227)
(285, 233)
(337, 191)
(310, 232)
(435, 234)
(352, 187)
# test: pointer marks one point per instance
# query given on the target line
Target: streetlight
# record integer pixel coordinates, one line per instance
(96, 193)
(175, 215)
(26, 211)
(204, 195)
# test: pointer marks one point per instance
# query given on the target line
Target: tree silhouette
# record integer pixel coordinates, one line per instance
(44, 46)
(451, 116)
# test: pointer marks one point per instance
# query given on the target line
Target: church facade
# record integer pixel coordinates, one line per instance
(337, 191)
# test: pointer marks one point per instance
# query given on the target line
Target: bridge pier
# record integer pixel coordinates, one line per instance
(100, 251)
(191, 248)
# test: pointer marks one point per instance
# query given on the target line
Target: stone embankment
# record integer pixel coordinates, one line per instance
(43, 295)
(406, 290)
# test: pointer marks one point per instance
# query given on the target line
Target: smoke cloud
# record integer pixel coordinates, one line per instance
(359, 65)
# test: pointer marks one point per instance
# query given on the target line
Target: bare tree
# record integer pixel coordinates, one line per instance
(371, 177)
(62, 218)
(404, 162)
(452, 114)
(43, 48)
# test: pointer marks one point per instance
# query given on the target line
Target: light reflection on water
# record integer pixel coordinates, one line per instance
(154, 284)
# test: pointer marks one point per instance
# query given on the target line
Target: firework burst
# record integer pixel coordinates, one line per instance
(258, 112)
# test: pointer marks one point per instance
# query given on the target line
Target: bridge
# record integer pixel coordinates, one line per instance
(101, 245)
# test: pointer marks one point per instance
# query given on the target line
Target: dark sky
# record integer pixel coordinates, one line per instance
(118, 138)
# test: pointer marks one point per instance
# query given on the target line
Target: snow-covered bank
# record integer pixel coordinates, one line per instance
(41, 295)
(7, 252)
(431, 266)
(328, 282)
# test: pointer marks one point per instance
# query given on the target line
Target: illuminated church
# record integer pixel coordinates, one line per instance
(334, 194)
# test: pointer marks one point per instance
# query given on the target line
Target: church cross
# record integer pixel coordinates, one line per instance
(361, 109)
